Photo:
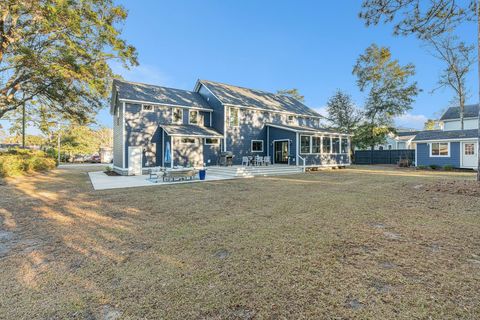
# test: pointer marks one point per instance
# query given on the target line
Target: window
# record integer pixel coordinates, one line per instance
(290, 118)
(389, 147)
(326, 145)
(335, 145)
(380, 148)
(147, 107)
(193, 117)
(234, 118)
(187, 141)
(257, 145)
(344, 145)
(316, 144)
(214, 141)
(469, 149)
(177, 115)
(305, 144)
(440, 149)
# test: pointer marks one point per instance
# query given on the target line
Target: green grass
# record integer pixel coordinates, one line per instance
(366, 242)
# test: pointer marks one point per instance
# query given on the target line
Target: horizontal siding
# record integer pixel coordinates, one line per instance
(424, 159)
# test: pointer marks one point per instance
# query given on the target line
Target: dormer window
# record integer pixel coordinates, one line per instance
(193, 117)
(147, 107)
(177, 115)
(290, 118)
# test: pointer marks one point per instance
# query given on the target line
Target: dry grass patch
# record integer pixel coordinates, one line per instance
(361, 243)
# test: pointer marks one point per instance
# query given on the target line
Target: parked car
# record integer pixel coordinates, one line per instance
(95, 159)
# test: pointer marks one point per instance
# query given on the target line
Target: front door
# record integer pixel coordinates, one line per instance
(469, 155)
(281, 151)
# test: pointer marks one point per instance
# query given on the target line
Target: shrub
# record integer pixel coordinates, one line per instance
(422, 167)
(15, 162)
(434, 166)
(448, 167)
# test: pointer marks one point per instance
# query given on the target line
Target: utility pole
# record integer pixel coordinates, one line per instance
(58, 145)
(23, 126)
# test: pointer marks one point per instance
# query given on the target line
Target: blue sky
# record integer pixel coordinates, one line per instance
(270, 45)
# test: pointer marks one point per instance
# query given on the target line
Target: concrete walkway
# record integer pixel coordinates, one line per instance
(100, 181)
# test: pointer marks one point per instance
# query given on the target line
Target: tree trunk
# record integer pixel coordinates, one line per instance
(478, 79)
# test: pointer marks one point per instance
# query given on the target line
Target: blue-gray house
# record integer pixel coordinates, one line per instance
(450, 146)
(159, 126)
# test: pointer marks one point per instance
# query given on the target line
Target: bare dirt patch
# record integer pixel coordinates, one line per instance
(465, 187)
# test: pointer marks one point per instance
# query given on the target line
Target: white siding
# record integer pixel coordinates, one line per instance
(455, 124)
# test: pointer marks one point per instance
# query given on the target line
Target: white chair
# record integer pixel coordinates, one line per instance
(258, 160)
(266, 160)
(245, 161)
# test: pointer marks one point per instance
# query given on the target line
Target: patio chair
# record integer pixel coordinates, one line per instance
(245, 161)
(266, 160)
(258, 160)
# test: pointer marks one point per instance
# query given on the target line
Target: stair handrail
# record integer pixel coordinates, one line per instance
(304, 163)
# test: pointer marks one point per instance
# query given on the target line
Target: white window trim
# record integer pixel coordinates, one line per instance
(148, 105)
(198, 117)
(330, 143)
(439, 156)
(211, 144)
(309, 144)
(194, 140)
(251, 145)
(230, 117)
(181, 116)
(290, 120)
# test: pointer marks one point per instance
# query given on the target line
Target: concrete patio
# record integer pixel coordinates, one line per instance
(101, 181)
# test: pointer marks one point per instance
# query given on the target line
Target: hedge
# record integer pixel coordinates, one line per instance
(20, 161)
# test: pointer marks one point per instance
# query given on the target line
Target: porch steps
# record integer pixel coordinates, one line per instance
(248, 172)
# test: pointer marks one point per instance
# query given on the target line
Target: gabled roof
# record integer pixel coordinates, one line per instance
(429, 135)
(470, 111)
(147, 93)
(239, 96)
(301, 129)
(189, 130)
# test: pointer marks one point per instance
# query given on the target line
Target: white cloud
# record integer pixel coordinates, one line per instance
(143, 73)
(408, 120)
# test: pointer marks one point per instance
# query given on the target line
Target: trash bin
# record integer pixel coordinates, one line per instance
(202, 173)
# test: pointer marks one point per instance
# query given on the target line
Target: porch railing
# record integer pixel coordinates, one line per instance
(304, 163)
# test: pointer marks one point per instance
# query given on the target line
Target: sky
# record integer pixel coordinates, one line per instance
(271, 45)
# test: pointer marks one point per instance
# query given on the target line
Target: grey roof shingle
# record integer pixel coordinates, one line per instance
(189, 130)
(157, 94)
(406, 133)
(446, 135)
(234, 95)
(470, 111)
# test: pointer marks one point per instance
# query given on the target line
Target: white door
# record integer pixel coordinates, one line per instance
(135, 161)
(469, 155)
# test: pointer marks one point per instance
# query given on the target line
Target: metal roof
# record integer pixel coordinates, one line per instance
(446, 135)
(189, 130)
(147, 93)
(302, 129)
(470, 111)
(245, 97)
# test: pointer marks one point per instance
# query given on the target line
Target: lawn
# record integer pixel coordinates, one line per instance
(364, 242)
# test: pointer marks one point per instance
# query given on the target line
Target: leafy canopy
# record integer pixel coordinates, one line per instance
(390, 92)
(343, 115)
(294, 93)
(56, 53)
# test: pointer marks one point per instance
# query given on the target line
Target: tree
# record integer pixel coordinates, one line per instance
(83, 140)
(426, 20)
(294, 93)
(343, 115)
(390, 92)
(459, 59)
(56, 53)
(429, 124)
